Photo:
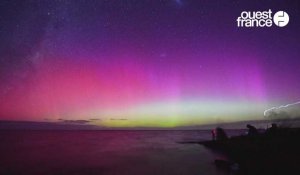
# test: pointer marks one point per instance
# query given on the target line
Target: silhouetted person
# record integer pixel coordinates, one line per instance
(252, 131)
(213, 134)
(272, 129)
(219, 134)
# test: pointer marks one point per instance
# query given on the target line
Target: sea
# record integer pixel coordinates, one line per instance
(113, 152)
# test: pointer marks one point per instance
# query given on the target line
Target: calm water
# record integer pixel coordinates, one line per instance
(105, 152)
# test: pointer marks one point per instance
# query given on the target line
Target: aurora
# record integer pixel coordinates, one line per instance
(153, 64)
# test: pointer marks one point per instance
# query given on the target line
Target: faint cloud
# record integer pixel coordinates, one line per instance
(288, 111)
(118, 119)
(94, 119)
(74, 121)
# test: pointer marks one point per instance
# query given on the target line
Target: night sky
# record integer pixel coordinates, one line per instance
(145, 62)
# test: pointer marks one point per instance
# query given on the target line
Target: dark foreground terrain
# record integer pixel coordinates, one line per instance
(276, 152)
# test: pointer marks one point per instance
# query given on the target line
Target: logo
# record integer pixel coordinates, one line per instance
(262, 19)
(281, 18)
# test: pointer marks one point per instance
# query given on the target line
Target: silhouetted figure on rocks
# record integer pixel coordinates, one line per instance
(213, 134)
(252, 131)
(273, 129)
(219, 134)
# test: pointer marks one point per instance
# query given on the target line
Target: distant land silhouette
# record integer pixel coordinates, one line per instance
(85, 125)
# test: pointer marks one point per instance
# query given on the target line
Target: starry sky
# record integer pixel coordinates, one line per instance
(160, 63)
